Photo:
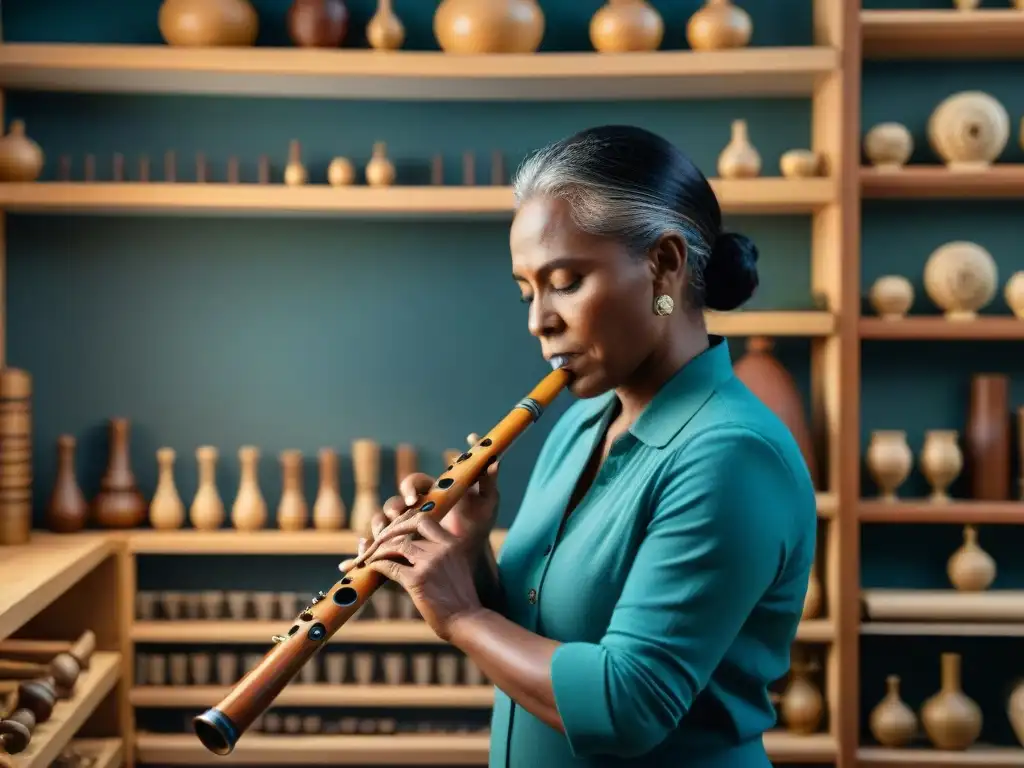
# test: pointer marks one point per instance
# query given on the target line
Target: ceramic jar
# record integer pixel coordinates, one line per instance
(951, 719)
(489, 26)
(892, 722)
(626, 25)
(889, 460)
(891, 296)
(717, 25)
(969, 130)
(21, 159)
(208, 23)
(941, 461)
(888, 146)
(739, 159)
(971, 568)
(961, 278)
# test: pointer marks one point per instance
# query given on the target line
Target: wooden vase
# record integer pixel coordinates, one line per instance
(317, 23)
(328, 507)
(292, 511)
(802, 705)
(987, 437)
(739, 159)
(971, 568)
(941, 461)
(889, 461)
(892, 722)
(366, 465)
(249, 512)
(385, 31)
(717, 25)
(21, 159)
(380, 171)
(951, 719)
(620, 26)
(67, 510)
(166, 509)
(208, 23)
(119, 504)
(207, 510)
(489, 26)
(773, 385)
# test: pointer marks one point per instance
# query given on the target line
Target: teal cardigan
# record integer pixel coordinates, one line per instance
(675, 587)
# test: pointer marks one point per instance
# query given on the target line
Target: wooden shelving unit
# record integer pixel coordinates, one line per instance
(983, 328)
(936, 758)
(989, 33)
(956, 512)
(936, 182)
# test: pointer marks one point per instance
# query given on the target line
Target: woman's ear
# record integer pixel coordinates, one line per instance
(667, 259)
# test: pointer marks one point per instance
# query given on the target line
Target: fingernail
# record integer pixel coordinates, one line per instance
(410, 500)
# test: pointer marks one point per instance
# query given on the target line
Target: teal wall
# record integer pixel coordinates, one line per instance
(299, 333)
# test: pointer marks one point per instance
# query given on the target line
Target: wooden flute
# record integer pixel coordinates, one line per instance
(220, 727)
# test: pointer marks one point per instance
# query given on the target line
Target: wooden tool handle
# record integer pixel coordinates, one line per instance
(21, 670)
(84, 647)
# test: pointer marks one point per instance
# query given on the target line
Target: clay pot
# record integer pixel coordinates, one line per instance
(719, 24)
(951, 719)
(208, 23)
(888, 146)
(1013, 292)
(773, 385)
(739, 159)
(626, 25)
(971, 568)
(969, 130)
(21, 159)
(941, 461)
(961, 277)
(892, 296)
(800, 164)
(317, 23)
(892, 722)
(889, 460)
(489, 26)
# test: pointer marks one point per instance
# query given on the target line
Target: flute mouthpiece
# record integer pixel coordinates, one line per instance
(559, 361)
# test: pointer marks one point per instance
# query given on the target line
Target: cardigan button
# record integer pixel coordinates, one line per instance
(532, 596)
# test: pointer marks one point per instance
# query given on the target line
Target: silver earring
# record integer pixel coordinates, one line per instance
(663, 305)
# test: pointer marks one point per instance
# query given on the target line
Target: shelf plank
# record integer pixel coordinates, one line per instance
(417, 75)
(50, 738)
(33, 575)
(880, 757)
(937, 328)
(400, 749)
(324, 695)
(943, 605)
(936, 182)
(954, 513)
(367, 632)
(105, 753)
(767, 195)
(800, 323)
(940, 629)
(942, 34)
(270, 541)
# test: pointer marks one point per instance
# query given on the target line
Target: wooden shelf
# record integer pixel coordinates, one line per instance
(270, 541)
(310, 73)
(943, 34)
(805, 323)
(767, 195)
(948, 605)
(954, 513)
(50, 738)
(401, 749)
(940, 629)
(880, 757)
(984, 328)
(936, 182)
(33, 575)
(816, 631)
(106, 753)
(324, 695)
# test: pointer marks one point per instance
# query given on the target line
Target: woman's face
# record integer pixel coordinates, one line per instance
(588, 297)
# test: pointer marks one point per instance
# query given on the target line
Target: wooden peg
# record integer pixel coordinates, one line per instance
(437, 170)
(497, 168)
(64, 173)
(90, 168)
(233, 174)
(200, 168)
(143, 168)
(468, 169)
(118, 167)
(264, 169)
(170, 166)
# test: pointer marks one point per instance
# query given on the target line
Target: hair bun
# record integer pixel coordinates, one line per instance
(730, 277)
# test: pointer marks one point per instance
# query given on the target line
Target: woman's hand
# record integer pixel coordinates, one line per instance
(471, 519)
(435, 568)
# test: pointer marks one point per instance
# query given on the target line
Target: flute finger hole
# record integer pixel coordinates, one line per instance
(428, 506)
(445, 483)
(345, 596)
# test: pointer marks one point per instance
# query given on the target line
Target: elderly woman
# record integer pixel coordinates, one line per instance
(651, 584)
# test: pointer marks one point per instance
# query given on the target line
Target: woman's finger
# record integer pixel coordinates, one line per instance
(377, 524)
(393, 507)
(347, 565)
(413, 486)
(388, 532)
